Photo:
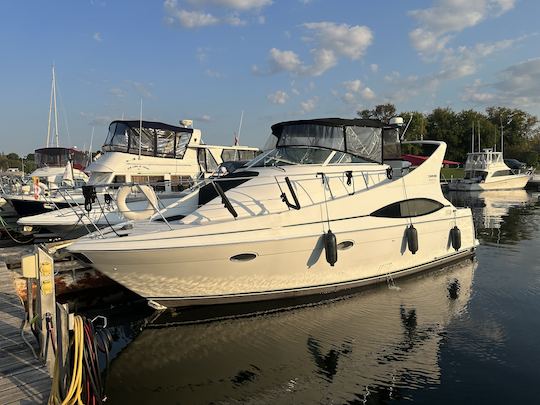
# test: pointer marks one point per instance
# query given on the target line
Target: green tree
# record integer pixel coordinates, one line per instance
(382, 112)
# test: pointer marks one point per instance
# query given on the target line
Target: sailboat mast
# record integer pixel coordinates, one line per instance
(55, 111)
(472, 138)
(478, 125)
(50, 111)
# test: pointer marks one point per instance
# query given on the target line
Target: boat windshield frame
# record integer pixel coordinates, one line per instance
(156, 139)
(305, 155)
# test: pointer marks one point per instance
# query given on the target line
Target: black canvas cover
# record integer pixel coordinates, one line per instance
(359, 137)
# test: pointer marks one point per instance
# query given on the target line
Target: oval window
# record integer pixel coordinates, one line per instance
(414, 207)
(346, 244)
(243, 257)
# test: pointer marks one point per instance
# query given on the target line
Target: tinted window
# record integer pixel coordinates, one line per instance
(409, 208)
(501, 173)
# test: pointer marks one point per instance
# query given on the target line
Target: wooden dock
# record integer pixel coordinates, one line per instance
(23, 378)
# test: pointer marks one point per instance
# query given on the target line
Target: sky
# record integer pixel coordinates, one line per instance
(273, 60)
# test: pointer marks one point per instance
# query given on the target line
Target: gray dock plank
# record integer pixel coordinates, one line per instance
(23, 379)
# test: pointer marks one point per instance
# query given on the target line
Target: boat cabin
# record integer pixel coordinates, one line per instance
(332, 141)
(168, 157)
(486, 163)
(59, 157)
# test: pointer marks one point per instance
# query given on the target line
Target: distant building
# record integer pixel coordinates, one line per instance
(13, 169)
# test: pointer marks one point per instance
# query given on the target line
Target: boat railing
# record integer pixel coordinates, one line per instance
(104, 200)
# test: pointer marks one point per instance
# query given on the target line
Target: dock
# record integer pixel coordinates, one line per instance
(23, 378)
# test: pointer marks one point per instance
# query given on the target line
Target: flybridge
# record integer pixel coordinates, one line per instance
(148, 138)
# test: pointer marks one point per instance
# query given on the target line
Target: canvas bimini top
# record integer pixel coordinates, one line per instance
(155, 139)
(359, 137)
(58, 157)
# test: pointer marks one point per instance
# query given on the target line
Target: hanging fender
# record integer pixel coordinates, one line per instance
(146, 213)
(455, 238)
(330, 247)
(412, 239)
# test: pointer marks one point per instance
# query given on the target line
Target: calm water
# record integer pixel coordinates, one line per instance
(470, 332)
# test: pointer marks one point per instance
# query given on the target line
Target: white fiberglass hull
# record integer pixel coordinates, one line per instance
(75, 222)
(513, 182)
(284, 267)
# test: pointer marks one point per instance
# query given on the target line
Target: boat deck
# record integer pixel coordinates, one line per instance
(23, 378)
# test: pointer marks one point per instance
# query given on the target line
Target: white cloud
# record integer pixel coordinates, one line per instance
(261, 19)
(374, 67)
(200, 18)
(141, 88)
(438, 23)
(234, 20)
(242, 5)
(323, 59)
(213, 74)
(279, 97)
(345, 40)
(201, 54)
(330, 41)
(518, 85)
(191, 19)
(203, 118)
(284, 60)
(353, 86)
(368, 94)
(97, 37)
(117, 92)
(309, 105)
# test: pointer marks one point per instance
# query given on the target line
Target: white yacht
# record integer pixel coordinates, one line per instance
(170, 158)
(319, 213)
(57, 168)
(486, 170)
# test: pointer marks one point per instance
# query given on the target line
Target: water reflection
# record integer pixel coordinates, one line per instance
(501, 216)
(376, 345)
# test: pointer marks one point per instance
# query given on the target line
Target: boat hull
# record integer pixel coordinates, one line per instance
(284, 268)
(505, 183)
(26, 207)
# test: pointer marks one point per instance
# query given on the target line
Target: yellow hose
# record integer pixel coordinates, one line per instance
(73, 395)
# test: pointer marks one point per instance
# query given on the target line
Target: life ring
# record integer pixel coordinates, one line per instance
(148, 192)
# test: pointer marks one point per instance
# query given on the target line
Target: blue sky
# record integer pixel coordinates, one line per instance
(208, 60)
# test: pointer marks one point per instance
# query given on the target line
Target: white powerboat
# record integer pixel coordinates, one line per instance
(319, 213)
(486, 170)
(58, 169)
(383, 343)
(170, 158)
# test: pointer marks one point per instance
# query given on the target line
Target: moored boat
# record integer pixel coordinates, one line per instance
(321, 212)
(486, 170)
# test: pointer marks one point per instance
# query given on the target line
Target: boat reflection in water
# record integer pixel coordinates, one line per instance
(499, 216)
(380, 343)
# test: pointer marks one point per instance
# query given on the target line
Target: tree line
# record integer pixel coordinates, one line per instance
(520, 129)
(13, 160)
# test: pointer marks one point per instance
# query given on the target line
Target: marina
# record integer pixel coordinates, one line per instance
(221, 202)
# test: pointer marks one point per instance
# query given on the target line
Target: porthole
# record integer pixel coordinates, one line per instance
(243, 257)
(346, 244)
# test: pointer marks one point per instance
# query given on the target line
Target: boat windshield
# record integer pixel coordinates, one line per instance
(292, 155)
(58, 157)
(147, 138)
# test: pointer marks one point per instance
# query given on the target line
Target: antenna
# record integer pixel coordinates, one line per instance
(140, 130)
(239, 128)
(406, 128)
(91, 142)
